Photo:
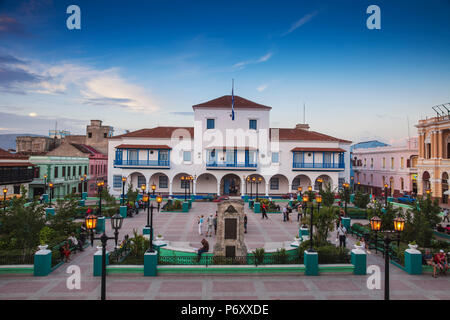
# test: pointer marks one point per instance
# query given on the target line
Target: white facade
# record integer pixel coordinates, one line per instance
(221, 158)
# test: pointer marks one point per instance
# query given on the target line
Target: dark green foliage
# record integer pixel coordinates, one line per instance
(21, 225)
(420, 221)
(259, 255)
(132, 195)
(327, 195)
(387, 215)
(175, 206)
(361, 200)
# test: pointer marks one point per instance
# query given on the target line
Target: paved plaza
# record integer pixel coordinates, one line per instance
(183, 227)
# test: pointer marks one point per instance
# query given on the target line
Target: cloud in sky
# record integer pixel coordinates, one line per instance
(264, 58)
(89, 85)
(303, 20)
(262, 87)
(10, 26)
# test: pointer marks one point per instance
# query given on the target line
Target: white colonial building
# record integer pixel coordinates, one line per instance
(220, 153)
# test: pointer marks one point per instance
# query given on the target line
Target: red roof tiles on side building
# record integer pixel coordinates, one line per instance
(225, 102)
(157, 132)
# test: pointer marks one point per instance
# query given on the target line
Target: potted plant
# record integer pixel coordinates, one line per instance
(413, 245)
(159, 237)
(358, 245)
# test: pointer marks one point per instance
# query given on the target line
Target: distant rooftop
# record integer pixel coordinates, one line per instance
(368, 144)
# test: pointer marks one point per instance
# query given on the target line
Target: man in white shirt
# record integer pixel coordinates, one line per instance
(341, 235)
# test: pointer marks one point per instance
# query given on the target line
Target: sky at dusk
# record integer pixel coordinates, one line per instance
(138, 64)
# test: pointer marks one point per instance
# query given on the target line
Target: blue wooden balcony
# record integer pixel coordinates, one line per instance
(312, 165)
(143, 163)
(231, 165)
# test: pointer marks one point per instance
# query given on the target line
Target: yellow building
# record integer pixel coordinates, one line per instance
(434, 156)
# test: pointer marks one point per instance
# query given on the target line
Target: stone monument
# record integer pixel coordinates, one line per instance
(230, 229)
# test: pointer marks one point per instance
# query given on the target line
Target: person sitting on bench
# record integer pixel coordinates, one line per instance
(204, 248)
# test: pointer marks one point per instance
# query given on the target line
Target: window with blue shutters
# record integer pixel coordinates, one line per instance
(210, 124)
(117, 181)
(163, 182)
(253, 124)
(274, 184)
(141, 181)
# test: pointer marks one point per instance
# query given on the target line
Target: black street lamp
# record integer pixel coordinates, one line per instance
(116, 224)
(306, 200)
(252, 181)
(45, 183)
(150, 220)
(299, 189)
(153, 188)
(100, 185)
(258, 181)
(50, 184)
(5, 191)
(81, 189)
(122, 202)
(352, 182)
(358, 186)
(346, 195)
(184, 180)
(375, 224)
(143, 187)
(385, 194)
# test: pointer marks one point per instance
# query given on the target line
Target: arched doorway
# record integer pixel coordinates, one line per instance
(161, 181)
(230, 185)
(278, 185)
(444, 187)
(206, 183)
(136, 180)
(181, 186)
(301, 181)
(325, 181)
(425, 182)
(391, 186)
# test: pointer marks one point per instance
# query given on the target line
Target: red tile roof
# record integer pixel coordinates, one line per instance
(319, 149)
(8, 155)
(157, 132)
(304, 135)
(143, 146)
(16, 164)
(225, 102)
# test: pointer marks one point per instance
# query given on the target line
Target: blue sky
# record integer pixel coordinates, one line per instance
(137, 64)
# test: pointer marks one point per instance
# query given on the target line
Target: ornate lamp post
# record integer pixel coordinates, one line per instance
(345, 185)
(122, 202)
(428, 192)
(375, 224)
(5, 191)
(259, 180)
(100, 185)
(306, 199)
(153, 188)
(352, 182)
(45, 183)
(116, 224)
(299, 189)
(357, 188)
(81, 182)
(150, 220)
(385, 194)
(143, 187)
(50, 184)
(183, 180)
(253, 181)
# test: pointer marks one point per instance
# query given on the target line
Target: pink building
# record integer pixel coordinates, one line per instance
(394, 166)
(98, 169)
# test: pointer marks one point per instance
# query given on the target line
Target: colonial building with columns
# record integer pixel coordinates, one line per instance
(220, 152)
(434, 156)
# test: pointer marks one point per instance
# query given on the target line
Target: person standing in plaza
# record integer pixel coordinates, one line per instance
(264, 212)
(299, 212)
(284, 213)
(341, 235)
(210, 221)
(200, 224)
(215, 224)
(445, 215)
(245, 223)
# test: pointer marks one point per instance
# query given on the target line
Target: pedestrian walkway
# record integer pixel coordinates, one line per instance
(183, 227)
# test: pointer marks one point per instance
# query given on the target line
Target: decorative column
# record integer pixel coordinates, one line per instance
(267, 188)
(170, 189)
(440, 153)
(194, 187)
(218, 188)
(42, 262)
